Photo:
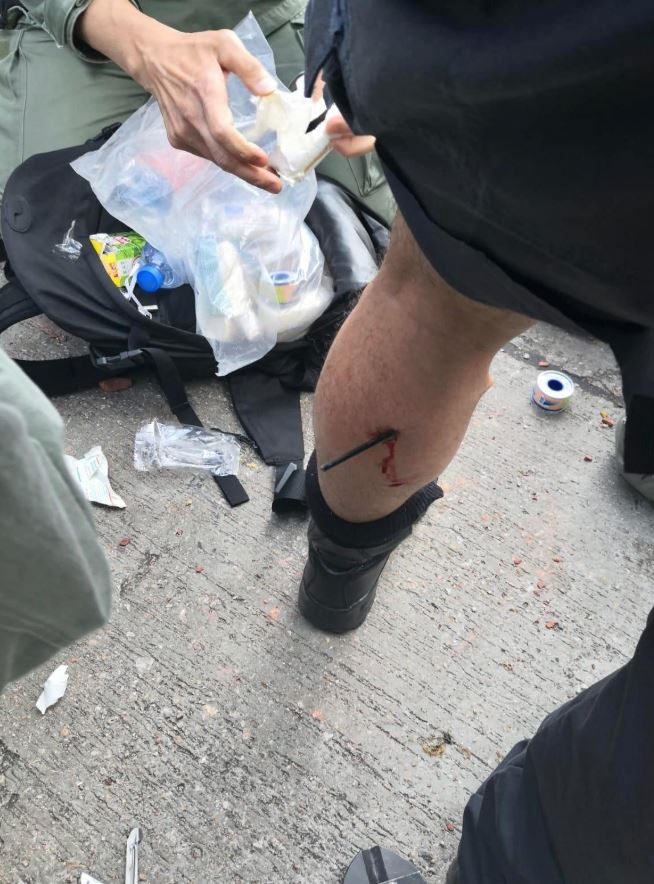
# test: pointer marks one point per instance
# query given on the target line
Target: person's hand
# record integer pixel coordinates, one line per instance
(344, 141)
(187, 74)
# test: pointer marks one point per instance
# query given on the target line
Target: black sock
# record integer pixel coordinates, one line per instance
(365, 534)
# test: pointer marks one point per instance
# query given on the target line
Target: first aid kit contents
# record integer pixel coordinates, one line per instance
(255, 267)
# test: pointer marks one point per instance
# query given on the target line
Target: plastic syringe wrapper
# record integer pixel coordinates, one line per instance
(160, 446)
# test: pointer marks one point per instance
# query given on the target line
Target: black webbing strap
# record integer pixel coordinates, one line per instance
(270, 414)
(290, 491)
(15, 305)
(54, 376)
(175, 393)
(57, 377)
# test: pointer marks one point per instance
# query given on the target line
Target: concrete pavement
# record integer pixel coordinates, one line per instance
(251, 748)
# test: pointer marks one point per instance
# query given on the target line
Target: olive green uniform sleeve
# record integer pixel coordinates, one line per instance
(58, 18)
(54, 580)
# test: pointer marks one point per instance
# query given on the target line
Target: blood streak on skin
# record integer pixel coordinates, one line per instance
(388, 467)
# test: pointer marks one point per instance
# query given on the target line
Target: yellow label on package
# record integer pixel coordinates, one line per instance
(118, 253)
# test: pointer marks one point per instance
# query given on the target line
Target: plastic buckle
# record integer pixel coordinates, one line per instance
(104, 135)
(125, 360)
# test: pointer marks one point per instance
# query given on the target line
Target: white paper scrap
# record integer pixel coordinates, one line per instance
(88, 879)
(53, 689)
(92, 475)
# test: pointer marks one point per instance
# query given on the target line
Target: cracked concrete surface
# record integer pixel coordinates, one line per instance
(251, 748)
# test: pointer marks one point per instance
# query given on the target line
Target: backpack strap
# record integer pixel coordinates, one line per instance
(270, 414)
(56, 377)
(53, 376)
(15, 305)
(176, 396)
(73, 373)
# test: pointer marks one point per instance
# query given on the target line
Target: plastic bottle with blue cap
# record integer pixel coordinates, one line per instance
(155, 272)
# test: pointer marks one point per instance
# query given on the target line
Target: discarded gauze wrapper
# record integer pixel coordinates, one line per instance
(160, 446)
(289, 114)
(92, 475)
(53, 689)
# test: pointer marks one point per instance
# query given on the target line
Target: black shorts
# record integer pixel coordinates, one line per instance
(518, 139)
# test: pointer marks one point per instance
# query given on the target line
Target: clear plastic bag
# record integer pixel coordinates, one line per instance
(160, 446)
(227, 238)
(303, 286)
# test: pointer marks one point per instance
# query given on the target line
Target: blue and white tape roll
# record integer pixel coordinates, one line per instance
(553, 391)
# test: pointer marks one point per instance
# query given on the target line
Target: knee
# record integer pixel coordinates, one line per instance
(409, 276)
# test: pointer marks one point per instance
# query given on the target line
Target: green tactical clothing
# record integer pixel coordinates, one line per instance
(54, 580)
(59, 17)
(56, 92)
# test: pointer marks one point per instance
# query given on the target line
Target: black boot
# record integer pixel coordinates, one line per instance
(380, 866)
(346, 559)
(339, 583)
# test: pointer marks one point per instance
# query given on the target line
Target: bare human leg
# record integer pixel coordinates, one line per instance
(413, 356)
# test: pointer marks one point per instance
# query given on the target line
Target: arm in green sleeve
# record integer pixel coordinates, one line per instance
(59, 19)
(54, 580)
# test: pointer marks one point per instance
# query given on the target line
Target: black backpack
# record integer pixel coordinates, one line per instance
(44, 195)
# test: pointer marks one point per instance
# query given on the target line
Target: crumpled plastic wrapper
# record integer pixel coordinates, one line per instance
(92, 475)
